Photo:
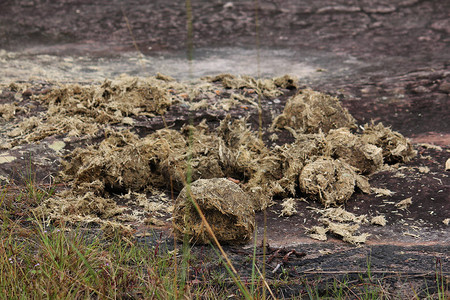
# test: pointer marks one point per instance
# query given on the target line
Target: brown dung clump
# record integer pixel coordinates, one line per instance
(291, 158)
(264, 87)
(193, 147)
(396, 148)
(227, 209)
(350, 148)
(326, 161)
(330, 181)
(310, 112)
(120, 162)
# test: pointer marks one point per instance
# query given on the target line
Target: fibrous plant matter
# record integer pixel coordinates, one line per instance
(350, 148)
(327, 160)
(330, 181)
(8, 110)
(405, 203)
(339, 222)
(264, 87)
(227, 208)
(310, 112)
(288, 205)
(109, 101)
(78, 110)
(379, 220)
(396, 148)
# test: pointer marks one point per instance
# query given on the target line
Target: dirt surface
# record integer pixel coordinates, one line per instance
(387, 61)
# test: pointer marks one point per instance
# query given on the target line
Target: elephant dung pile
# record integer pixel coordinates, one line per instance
(329, 159)
(226, 207)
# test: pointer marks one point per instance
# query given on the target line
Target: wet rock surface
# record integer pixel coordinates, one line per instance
(386, 61)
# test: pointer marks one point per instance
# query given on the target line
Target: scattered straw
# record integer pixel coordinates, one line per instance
(405, 203)
(380, 192)
(378, 220)
(288, 207)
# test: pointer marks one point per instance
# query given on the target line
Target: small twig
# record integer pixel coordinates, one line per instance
(286, 257)
(277, 267)
(275, 254)
(297, 254)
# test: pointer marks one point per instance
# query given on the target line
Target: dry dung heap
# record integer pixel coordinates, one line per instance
(123, 161)
(396, 148)
(350, 148)
(330, 181)
(78, 110)
(264, 87)
(310, 111)
(328, 160)
(226, 207)
(119, 162)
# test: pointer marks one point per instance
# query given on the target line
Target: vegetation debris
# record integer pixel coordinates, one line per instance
(310, 112)
(405, 203)
(328, 160)
(288, 207)
(227, 208)
(379, 220)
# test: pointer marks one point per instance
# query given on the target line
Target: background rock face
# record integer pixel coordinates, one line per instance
(228, 210)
